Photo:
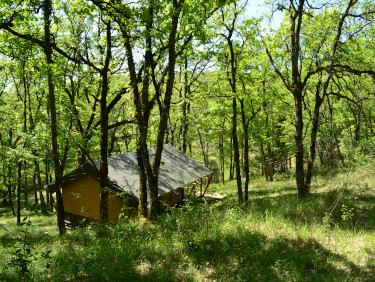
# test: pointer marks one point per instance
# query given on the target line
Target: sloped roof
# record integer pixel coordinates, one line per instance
(176, 170)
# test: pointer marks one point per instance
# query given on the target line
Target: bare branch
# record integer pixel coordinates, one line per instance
(272, 61)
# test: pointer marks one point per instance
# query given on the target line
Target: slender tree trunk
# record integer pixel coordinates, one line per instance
(39, 185)
(330, 107)
(36, 200)
(271, 161)
(312, 151)
(185, 126)
(314, 132)
(242, 162)
(265, 164)
(185, 110)
(5, 195)
(166, 109)
(9, 181)
(302, 189)
(236, 151)
(201, 141)
(103, 170)
(25, 189)
(246, 165)
(222, 160)
(231, 166)
(10, 198)
(47, 177)
(52, 106)
(25, 85)
(19, 192)
(141, 115)
(245, 125)
(142, 104)
(339, 152)
(232, 78)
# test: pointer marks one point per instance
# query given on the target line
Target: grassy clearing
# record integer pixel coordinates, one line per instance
(329, 236)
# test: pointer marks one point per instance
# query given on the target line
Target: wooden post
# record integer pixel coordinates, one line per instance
(201, 186)
(192, 191)
(208, 184)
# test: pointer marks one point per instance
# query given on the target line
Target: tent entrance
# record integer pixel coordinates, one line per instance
(198, 188)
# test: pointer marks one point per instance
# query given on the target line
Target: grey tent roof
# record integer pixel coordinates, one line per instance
(176, 170)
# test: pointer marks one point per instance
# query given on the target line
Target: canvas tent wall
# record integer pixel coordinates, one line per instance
(80, 188)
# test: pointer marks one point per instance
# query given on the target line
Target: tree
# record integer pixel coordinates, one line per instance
(235, 50)
(162, 30)
(301, 71)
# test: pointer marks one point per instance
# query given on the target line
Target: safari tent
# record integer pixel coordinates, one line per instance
(81, 194)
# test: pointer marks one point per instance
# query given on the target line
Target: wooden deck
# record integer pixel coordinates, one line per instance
(215, 196)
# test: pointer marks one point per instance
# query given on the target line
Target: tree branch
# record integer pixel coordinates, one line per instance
(272, 61)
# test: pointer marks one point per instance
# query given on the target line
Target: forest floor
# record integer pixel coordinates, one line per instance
(330, 236)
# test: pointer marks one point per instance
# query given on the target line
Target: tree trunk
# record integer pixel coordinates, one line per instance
(10, 198)
(265, 164)
(25, 188)
(185, 110)
(246, 166)
(339, 152)
(165, 111)
(52, 107)
(47, 177)
(25, 86)
(202, 143)
(245, 126)
(242, 162)
(236, 151)
(231, 166)
(222, 159)
(142, 208)
(103, 170)
(19, 193)
(36, 200)
(314, 132)
(271, 161)
(302, 189)
(143, 105)
(39, 185)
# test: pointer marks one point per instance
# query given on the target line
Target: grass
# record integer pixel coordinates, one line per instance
(330, 236)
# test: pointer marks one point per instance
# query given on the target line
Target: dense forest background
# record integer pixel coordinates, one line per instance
(84, 80)
(279, 104)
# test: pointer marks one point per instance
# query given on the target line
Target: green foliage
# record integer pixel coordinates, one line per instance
(24, 253)
(201, 87)
(272, 237)
(23, 256)
(347, 213)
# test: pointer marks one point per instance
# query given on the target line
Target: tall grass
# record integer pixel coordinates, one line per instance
(327, 237)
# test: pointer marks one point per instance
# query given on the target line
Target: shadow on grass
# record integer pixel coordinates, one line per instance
(10, 237)
(261, 191)
(253, 257)
(190, 244)
(242, 255)
(5, 210)
(109, 257)
(342, 209)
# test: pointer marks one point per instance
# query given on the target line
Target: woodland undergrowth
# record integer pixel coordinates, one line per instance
(328, 236)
